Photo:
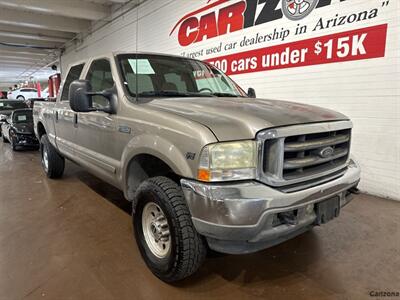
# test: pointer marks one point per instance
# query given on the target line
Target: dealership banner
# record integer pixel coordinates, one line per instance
(241, 37)
(358, 44)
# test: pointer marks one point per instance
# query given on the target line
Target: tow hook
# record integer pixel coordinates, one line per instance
(288, 218)
(354, 190)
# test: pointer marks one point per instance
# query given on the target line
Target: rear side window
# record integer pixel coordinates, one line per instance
(74, 74)
(100, 77)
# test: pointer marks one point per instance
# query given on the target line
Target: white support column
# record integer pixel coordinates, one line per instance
(50, 22)
(29, 42)
(34, 33)
(71, 8)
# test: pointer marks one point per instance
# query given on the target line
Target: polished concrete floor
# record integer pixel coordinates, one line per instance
(71, 239)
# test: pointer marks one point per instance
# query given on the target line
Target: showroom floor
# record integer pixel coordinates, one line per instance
(71, 239)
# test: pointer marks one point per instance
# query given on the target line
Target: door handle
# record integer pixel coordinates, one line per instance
(56, 115)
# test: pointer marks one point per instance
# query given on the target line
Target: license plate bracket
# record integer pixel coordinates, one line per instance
(327, 210)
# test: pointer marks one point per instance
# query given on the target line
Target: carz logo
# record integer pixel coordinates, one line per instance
(298, 9)
(206, 23)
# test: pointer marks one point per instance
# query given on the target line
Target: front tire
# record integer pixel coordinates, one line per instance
(13, 146)
(21, 98)
(166, 237)
(52, 162)
(4, 139)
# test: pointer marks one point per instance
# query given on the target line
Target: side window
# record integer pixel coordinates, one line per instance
(74, 74)
(101, 79)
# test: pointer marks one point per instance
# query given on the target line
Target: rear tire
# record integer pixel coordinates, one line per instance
(52, 162)
(184, 250)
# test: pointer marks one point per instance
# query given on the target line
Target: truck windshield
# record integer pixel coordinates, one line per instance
(162, 76)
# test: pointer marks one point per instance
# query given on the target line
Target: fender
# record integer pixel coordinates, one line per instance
(40, 111)
(158, 147)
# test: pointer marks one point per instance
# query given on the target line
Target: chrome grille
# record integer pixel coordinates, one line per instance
(298, 154)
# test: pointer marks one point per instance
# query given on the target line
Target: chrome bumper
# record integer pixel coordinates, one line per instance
(239, 217)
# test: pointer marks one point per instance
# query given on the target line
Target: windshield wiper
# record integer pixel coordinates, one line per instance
(170, 94)
(185, 94)
(224, 95)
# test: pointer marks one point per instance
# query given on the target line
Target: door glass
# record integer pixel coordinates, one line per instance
(101, 79)
(74, 74)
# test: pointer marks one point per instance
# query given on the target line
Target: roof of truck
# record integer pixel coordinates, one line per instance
(128, 52)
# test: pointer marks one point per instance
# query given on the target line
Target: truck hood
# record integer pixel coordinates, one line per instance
(241, 118)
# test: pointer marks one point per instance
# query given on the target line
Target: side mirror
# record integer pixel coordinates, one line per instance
(80, 96)
(251, 93)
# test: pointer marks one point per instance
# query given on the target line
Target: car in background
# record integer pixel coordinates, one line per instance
(23, 94)
(18, 130)
(7, 107)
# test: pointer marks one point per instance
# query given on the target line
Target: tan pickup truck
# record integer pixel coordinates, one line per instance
(205, 164)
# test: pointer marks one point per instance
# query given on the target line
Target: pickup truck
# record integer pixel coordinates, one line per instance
(205, 164)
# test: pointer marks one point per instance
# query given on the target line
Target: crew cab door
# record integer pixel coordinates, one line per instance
(96, 130)
(65, 118)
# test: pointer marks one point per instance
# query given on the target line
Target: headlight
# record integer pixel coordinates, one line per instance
(228, 161)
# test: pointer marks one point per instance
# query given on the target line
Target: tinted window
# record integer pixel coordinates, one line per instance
(11, 105)
(24, 116)
(74, 74)
(101, 79)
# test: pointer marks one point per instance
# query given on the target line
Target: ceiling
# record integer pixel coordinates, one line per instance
(32, 32)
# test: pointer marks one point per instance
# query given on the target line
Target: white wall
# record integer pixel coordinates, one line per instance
(367, 91)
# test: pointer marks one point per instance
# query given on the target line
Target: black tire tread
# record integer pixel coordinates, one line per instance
(192, 248)
(56, 161)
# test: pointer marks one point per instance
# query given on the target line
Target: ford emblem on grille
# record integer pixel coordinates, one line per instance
(326, 152)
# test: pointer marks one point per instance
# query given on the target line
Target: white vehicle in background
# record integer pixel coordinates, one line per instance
(45, 93)
(23, 94)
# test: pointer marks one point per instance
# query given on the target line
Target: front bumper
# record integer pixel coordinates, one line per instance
(25, 140)
(241, 217)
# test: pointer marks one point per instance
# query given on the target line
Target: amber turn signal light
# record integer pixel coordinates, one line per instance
(203, 175)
